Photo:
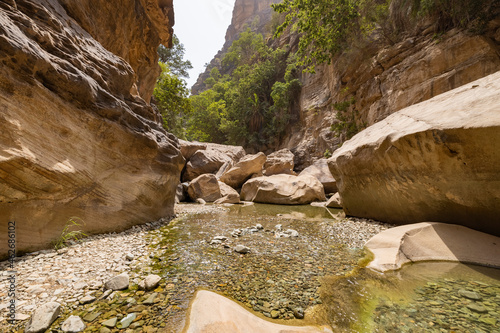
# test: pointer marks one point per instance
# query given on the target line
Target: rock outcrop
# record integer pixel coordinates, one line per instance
(244, 169)
(384, 80)
(432, 241)
(437, 161)
(283, 190)
(77, 135)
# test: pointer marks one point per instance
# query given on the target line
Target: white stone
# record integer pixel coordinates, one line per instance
(73, 324)
(43, 317)
(118, 282)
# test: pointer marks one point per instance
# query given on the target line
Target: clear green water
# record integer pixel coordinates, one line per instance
(423, 297)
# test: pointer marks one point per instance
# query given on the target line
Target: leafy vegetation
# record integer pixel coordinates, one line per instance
(251, 105)
(328, 27)
(171, 94)
(68, 234)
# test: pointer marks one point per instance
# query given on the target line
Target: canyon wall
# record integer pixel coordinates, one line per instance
(78, 137)
(382, 80)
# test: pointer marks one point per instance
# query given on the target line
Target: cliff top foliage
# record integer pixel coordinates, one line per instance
(328, 27)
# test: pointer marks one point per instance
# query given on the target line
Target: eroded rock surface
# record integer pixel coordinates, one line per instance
(280, 161)
(204, 187)
(320, 170)
(434, 161)
(77, 135)
(244, 169)
(283, 190)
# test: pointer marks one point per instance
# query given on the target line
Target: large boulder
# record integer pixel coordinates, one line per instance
(320, 170)
(211, 160)
(244, 169)
(204, 187)
(77, 134)
(283, 189)
(228, 195)
(279, 162)
(188, 148)
(434, 161)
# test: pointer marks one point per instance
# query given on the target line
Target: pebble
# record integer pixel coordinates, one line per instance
(110, 322)
(150, 282)
(73, 324)
(241, 249)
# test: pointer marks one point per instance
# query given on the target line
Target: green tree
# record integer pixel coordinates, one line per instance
(174, 58)
(172, 99)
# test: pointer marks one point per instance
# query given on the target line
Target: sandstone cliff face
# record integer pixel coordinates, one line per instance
(254, 14)
(74, 140)
(386, 80)
(436, 161)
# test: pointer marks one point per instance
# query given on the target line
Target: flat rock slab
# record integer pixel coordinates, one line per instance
(212, 313)
(432, 241)
(43, 317)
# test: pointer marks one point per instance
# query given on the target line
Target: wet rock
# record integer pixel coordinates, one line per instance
(87, 299)
(90, 317)
(125, 322)
(241, 249)
(150, 282)
(43, 317)
(151, 299)
(111, 322)
(118, 282)
(298, 313)
(73, 324)
(477, 308)
(469, 294)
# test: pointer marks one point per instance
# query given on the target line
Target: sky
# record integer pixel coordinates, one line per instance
(201, 26)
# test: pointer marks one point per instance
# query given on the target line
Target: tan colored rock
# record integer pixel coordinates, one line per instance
(211, 159)
(428, 241)
(383, 82)
(243, 170)
(204, 187)
(437, 160)
(75, 141)
(203, 162)
(188, 148)
(320, 170)
(279, 162)
(229, 195)
(211, 312)
(335, 201)
(283, 190)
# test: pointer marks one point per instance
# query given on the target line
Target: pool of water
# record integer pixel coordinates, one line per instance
(422, 297)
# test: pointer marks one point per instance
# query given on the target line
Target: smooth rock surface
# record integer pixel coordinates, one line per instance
(434, 161)
(43, 317)
(188, 148)
(211, 312)
(283, 189)
(229, 195)
(279, 162)
(118, 282)
(204, 162)
(243, 170)
(320, 170)
(204, 187)
(432, 241)
(150, 282)
(100, 152)
(73, 324)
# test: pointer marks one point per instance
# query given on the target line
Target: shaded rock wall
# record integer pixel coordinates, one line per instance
(383, 80)
(74, 140)
(436, 161)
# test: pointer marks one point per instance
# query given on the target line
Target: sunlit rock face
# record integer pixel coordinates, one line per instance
(436, 161)
(78, 137)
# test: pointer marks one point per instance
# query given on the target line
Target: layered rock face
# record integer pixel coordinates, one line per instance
(383, 80)
(77, 138)
(435, 161)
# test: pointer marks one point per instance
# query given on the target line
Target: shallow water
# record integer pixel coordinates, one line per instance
(422, 297)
